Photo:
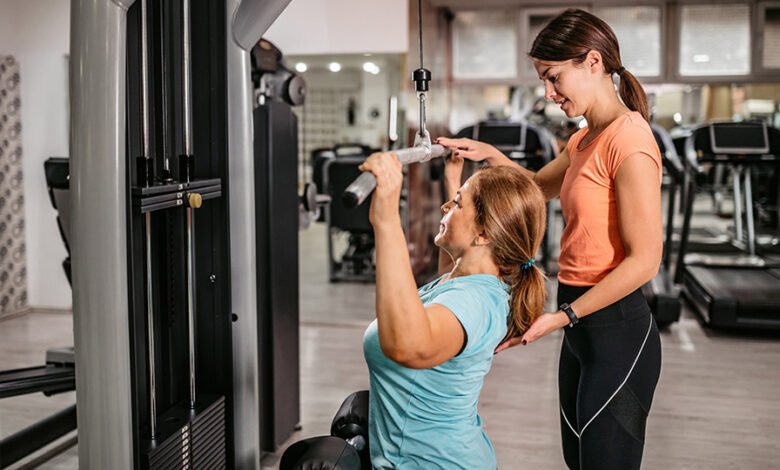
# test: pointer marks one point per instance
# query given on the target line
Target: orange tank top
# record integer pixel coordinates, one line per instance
(591, 245)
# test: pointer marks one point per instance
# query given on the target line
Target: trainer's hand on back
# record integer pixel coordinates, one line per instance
(510, 343)
(544, 325)
(468, 148)
(387, 170)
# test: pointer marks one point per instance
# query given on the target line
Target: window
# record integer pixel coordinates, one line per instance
(771, 38)
(638, 30)
(535, 22)
(714, 40)
(484, 45)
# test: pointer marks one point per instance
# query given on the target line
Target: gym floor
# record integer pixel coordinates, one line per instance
(716, 406)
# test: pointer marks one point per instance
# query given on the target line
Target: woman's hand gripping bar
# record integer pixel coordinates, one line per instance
(358, 191)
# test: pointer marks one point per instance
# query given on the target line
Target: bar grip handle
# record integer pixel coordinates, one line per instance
(358, 190)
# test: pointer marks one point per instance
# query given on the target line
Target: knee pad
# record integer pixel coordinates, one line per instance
(345, 449)
(351, 424)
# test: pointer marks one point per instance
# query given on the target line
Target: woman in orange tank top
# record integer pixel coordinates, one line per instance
(608, 180)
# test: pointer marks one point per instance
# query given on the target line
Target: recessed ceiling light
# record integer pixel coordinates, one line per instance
(371, 67)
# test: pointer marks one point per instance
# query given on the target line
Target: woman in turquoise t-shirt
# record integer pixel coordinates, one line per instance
(428, 350)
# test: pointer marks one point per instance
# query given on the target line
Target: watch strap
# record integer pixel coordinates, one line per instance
(566, 308)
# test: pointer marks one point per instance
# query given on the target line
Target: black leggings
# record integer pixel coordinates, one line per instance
(609, 367)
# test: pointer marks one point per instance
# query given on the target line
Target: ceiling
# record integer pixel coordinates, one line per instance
(499, 4)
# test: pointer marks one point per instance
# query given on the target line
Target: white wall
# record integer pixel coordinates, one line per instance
(342, 27)
(375, 94)
(41, 44)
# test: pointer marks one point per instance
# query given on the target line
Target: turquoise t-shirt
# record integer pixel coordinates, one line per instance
(427, 419)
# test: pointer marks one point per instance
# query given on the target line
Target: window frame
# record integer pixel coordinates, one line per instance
(674, 75)
(760, 21)
(515, 12)
(524, 26)
(671, 31)
(663, 25)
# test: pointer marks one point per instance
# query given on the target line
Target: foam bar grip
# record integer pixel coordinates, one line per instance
(358, 191)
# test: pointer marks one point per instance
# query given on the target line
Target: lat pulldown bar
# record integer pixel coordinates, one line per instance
(358, 191)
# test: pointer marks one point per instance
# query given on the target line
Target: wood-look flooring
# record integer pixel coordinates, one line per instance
(717, 405)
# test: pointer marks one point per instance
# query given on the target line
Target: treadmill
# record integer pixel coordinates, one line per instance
(527, 145)
(740, 290)
(701, 239)
(661, 293)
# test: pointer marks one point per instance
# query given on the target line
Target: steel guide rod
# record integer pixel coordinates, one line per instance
(165, 90)
(148, 217)
(186, 162)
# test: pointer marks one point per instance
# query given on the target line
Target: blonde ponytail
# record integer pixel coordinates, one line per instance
(512, 211)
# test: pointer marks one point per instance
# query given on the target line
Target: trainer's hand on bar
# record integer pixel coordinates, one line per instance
(470, 149)
(387, 196)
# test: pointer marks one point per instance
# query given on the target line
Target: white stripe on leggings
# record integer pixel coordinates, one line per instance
(567, 422)
(650, 327)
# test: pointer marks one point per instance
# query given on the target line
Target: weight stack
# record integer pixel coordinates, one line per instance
(190, 439)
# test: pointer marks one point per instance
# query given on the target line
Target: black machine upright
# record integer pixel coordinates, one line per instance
(661, 292)
(276, 222)
(168, 321)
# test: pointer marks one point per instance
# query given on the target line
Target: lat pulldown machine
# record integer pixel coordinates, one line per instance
(165, 309)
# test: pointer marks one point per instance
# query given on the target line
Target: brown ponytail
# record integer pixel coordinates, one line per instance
(512, 212)
(633, 95)
(574, 33)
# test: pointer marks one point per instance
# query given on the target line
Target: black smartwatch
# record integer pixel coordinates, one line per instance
(566, 308)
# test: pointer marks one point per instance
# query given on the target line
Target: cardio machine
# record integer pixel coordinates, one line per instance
(661, 293)
(731, 290)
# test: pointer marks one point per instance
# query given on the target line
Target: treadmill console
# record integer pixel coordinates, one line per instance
(504, 136)
(739, 138)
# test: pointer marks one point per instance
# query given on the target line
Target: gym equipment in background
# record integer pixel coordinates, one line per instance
(731, 290)
(338, 167)
(661, 293)
(276, 246)
(58, 375)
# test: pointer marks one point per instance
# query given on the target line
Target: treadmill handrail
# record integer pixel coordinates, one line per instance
(671, 158)
(691, 156)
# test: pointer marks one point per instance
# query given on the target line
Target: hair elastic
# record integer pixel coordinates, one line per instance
(620, 70)
(528, 264)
